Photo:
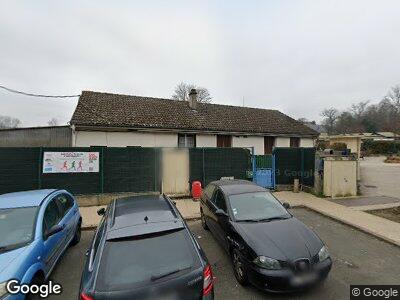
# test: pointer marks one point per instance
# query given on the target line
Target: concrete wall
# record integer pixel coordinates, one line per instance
(206, 140)
(352, 143)
(306, 142)
(340, 178)
(123, 139)
(282, 142)
(250, 141)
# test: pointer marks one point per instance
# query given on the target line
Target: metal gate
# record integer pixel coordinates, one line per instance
(264, 173)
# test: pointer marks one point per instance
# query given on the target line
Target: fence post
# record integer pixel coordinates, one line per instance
(253, 161)
(102, 170)
(40, 168)
(204, 173)
(302, 166)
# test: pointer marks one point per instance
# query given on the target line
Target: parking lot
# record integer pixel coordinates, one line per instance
(359, 258)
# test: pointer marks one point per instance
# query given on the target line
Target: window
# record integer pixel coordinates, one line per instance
(96, 241)
(220, 201)
(256, 206)
(294, 142)
(65, 202)
(17, 226)
(269, 142)
(139, 261)
(186, 140)
(224, 141)
(209, 190)
(51, 216)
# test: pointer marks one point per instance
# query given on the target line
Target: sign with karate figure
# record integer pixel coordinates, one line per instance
(70, 162)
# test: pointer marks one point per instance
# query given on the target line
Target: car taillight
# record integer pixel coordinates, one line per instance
(86, 297)
(208, 280)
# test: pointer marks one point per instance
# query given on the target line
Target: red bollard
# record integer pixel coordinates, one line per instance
(196, 190)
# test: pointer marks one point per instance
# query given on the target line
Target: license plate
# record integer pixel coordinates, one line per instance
(303, 279)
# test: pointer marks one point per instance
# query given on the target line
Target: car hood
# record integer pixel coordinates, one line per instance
(280, 239)
(7, 258)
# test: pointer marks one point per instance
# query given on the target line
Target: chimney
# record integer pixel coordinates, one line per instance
(193, 99)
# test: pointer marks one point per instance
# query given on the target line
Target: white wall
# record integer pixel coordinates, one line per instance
(250, 141)
(206, 140)
(123, 139)
(282, 142)
(306, 142)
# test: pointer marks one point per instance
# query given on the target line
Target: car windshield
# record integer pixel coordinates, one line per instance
(16, 227)
(140, 261)
(257, 206)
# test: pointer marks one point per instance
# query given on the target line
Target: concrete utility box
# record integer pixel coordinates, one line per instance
(340, 177)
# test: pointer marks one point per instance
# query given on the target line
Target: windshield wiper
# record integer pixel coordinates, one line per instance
(273, 219)
(12, 247)
(159, 276)
(249, 220)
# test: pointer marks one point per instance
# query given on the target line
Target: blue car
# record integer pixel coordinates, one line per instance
(36, 227)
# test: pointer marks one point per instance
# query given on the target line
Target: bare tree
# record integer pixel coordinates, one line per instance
(330, 117)
(183, 89)
(9, 122)
(393, 97)
(52, 122)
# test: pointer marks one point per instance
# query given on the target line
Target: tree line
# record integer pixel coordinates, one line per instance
(365, 117)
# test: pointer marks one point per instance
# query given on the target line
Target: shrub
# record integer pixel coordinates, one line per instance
(380, 147)
(339, 146)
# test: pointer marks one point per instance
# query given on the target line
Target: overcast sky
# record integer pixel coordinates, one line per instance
(295, 56)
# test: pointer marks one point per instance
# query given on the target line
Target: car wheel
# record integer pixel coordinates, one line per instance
(203, 220)
(37, 280)
(77, 236)
(238, 267)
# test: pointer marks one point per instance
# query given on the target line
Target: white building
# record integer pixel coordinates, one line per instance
(103, 119)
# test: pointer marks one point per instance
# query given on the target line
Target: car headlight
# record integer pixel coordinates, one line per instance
(323, 253)
(267, 263)
(3, 290)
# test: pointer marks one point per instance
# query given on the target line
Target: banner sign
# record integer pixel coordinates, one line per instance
(70, 162)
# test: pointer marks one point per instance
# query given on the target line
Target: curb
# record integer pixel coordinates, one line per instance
(359, 227)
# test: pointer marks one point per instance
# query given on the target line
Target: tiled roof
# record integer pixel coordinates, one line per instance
(112, 110)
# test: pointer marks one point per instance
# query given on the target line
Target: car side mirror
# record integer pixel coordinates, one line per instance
(53, 230)
(220, 212)
(286, 205)
(101, 211)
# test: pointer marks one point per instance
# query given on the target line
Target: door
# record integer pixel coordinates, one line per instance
(269, 142)
(221, 222)
(69, 217)
(224, 141)
(175, 171)
(52, 245)
(294, 142)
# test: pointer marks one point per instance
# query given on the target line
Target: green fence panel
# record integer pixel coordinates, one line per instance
(131, 169)
(210, 164)
(263, 161)
(77, 183)
(294, 163)
(19, 169)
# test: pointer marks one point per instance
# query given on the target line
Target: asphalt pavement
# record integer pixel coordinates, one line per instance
(359, 258)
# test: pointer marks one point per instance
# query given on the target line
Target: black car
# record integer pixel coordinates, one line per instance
(143, 249)
(268, 246)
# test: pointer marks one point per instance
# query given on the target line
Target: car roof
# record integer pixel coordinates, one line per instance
(235, 187)
(24, 199)
(138, 215)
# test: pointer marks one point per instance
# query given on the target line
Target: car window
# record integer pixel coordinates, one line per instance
(65, 202)
(127, 263)
(258, 205)
(220, 200)
(209, 190)
(97, 239)
(52, 215)
(17, 226)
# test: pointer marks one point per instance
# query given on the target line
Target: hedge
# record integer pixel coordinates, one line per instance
(380, 147)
